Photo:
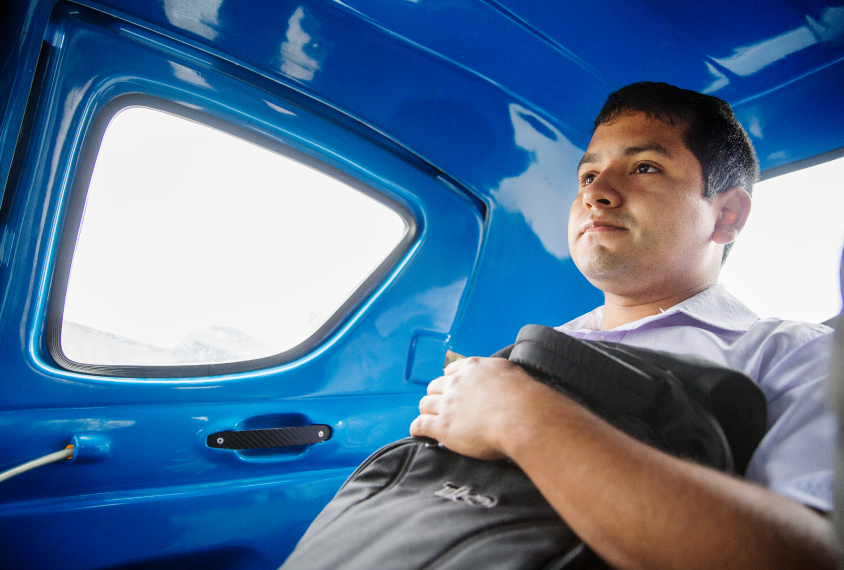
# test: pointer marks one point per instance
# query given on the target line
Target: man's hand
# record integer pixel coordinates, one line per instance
(474, 403)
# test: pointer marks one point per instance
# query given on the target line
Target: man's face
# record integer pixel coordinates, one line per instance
(640, 222)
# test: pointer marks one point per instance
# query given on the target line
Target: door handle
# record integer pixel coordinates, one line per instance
(273, 437)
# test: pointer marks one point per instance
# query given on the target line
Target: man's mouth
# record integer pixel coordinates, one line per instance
(593, 226)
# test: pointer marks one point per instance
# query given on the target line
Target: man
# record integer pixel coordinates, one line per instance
(664, 188)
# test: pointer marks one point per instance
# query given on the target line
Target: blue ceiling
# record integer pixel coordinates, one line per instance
(441, 76)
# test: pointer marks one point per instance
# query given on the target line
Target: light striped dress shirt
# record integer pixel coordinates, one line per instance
(788, 359)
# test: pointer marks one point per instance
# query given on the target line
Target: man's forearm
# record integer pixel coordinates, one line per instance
(640, 508)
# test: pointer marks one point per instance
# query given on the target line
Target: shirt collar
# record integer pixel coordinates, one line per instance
(714, 306)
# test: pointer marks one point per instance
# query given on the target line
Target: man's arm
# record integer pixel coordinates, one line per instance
(634, 505)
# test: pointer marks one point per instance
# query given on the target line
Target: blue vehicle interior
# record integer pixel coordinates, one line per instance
(468, 116)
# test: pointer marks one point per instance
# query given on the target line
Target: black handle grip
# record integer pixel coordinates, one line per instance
(275, 437)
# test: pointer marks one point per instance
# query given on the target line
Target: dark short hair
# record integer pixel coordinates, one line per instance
(711, 131)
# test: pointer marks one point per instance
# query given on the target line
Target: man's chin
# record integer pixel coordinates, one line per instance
(599, 265)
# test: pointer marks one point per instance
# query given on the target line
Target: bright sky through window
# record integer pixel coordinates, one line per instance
(786, 261)
(192, 238)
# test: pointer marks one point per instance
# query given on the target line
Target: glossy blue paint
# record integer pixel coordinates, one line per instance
(90, 446)
(159, 466)
(23, 25)
(472, 114)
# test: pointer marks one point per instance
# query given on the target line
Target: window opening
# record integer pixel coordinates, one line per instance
(786, 261)
(198, 247)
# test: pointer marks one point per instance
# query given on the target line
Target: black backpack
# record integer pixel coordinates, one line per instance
(415, 505)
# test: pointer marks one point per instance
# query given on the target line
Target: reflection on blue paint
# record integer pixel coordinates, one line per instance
(543, 193)
(538, 125)
(830, 30)
(747, 60)
(188, 74)
(754, 127)
(719, 80)
(295, 61)
(280, 109)
(198, 16)
(439, 301)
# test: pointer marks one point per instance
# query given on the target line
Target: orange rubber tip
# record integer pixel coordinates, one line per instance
(70, 446)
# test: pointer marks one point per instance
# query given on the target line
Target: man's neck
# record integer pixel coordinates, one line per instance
(621, 310)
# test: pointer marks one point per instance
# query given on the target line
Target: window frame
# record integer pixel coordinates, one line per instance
(801, 164)
(73, 222)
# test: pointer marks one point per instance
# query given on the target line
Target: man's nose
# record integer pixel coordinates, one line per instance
(601, 194)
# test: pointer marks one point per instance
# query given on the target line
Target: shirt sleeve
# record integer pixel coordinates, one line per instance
(796, 456)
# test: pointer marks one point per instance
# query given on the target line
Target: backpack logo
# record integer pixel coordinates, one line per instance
(463, 496)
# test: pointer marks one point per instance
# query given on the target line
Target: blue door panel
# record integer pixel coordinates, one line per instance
(163, 486)
(23, 25)
(165, 445)
(75, 98)
(232, 526)
(221, 508)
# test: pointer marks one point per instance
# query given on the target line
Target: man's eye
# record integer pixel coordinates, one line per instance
(645, 169)
(587, 179)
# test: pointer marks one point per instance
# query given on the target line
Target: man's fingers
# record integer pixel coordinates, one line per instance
(423, 426)
(429, 404)
(437, 385)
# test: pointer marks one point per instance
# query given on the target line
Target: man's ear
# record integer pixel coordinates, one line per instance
(731, 210)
